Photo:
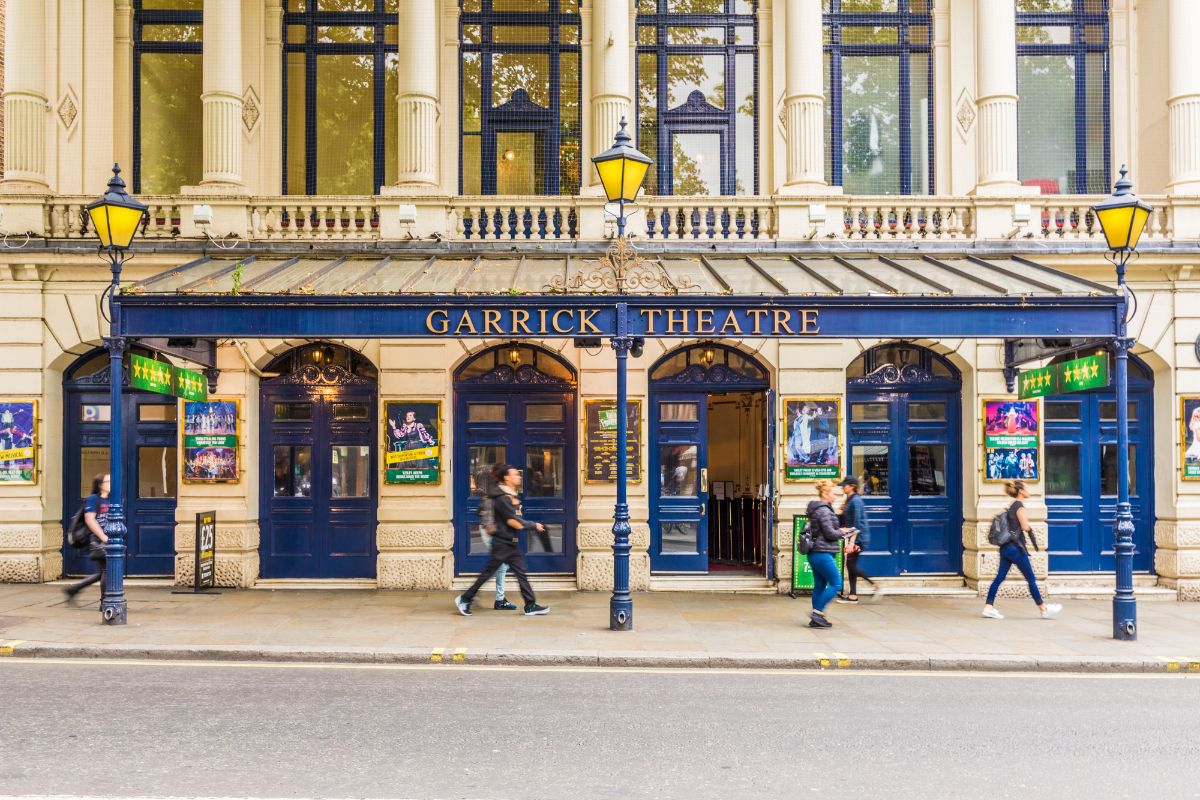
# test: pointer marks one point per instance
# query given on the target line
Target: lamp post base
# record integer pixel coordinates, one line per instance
(620, 614)
(1125, 619)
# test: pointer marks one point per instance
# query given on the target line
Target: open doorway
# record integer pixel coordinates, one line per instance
(711, 432)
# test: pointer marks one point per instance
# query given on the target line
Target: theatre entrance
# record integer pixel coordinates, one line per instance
(711, 425)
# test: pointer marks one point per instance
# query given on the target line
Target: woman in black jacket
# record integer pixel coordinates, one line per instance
(827, 543)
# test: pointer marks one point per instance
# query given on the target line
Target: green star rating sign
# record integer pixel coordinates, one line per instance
(1079, 375)
(155, 376)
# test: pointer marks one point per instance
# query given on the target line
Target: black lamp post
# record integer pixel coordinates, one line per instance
(1123, 218)
(115, 219)
(621, 168)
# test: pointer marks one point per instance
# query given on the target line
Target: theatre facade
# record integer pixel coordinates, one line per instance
(865, 248)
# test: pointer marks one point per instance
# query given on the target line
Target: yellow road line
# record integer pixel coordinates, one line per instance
(7, 646)
(436, 655)
(843, 660)
(822, 660)
(460, 655)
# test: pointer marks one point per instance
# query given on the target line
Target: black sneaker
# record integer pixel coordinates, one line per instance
(504, 605)
(818, 621)
(463, 606)
(534, 610)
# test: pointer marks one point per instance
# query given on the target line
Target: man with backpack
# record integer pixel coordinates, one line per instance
(487, 530)
(92, 515)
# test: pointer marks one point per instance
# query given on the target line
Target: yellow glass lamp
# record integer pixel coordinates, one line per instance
(622, 168)
(1122, 216)
(116, 216)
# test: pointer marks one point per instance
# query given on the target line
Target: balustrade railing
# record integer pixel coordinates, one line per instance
(686, 218)
(482, 218)
(1070, 217)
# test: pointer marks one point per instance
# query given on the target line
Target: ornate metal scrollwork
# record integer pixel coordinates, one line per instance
(621, 271)
(888, 374)
(329, 375)
(524, 375)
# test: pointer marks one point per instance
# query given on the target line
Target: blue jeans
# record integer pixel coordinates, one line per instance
(1011, 554)
(500, 573)
(827, 579)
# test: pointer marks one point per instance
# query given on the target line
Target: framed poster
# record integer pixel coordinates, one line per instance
(210, 441)
(600, 441)
(18, 442)
(1011, 440)
(1189, 418)
(412, 442)
(812, 438)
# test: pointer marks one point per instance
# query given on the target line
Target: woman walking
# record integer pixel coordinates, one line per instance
(827, 542)
(95, 513)
(855, 516)
(1016, 551)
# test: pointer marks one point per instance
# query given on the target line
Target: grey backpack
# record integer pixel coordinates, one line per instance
(1000, 534)
(487, 515)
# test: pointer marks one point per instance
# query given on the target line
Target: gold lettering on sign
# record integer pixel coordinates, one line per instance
(467, 323)
(731, 325)
(519, 319)
(652, 315)
(782, 318)
(491, 322)
(673, 321)
(808, 321)
(442, 325)
(704, 320)
(542, 324)
(585, 321)
(558, 328)
(758, 314)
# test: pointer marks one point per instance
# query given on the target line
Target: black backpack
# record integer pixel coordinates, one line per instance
(79, 535)
(804, 540)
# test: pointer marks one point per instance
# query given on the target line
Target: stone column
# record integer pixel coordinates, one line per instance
(222, 97)
(611, 54)
(1183, 100)
(25, 104)
(804, 99)
(996, 37)
(417, 142)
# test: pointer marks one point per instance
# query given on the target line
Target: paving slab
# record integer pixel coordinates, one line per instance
(671, 630)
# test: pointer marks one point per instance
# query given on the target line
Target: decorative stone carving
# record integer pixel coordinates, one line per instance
(423, 572)
(251, 111)
(964, 114)
(233, 570)
(600, 537)
(414, 537)
(24, 569)
(68, 111)
(595, 572)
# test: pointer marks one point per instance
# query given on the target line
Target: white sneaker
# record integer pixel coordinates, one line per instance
(992, 613)
(876, 595)
(1052, 610)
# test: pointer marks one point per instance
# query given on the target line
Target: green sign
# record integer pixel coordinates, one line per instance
(155, 376)
(802, 575)
(1078, 375)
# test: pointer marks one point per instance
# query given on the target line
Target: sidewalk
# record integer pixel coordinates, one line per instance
(671, 630)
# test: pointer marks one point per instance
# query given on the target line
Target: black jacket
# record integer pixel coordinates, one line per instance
(827, 535)
(507, 507)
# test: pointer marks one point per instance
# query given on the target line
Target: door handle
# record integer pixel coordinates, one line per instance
(703, 509)
(704, 480)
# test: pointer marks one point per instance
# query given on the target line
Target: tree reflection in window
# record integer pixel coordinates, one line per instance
(341, 96)
(697, 96)
(520, 89)
(879, 90)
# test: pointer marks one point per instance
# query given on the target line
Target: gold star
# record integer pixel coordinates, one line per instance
(1095, 370)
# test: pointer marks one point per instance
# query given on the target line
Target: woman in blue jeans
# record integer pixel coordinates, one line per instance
(827, 542)
(1016, 551)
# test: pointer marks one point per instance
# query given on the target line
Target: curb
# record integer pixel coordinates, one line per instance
(641, 659)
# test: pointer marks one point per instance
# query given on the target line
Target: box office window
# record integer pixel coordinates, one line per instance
(168, 62)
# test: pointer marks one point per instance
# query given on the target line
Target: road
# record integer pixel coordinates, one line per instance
(121, 729)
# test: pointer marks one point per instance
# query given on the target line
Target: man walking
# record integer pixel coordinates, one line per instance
(505, 547)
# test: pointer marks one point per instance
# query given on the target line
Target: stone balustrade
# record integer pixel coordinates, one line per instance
(656, 218)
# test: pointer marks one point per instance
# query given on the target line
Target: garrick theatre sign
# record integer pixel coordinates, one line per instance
(711, 321)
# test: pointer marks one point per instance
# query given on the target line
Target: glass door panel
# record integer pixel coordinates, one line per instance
(679, 507)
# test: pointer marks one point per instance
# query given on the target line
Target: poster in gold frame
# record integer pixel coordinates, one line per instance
(813, 444)
(1011, 436)
(210, 440)
(412, 441)
(19, 442)
(1189, 438)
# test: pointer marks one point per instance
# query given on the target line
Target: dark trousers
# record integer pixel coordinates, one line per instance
(97, 555)
(508, 552)
(1011, 554)
(855, 572)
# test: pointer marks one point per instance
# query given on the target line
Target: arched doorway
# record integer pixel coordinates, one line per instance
(150, 469)
(1081, 474)
(710, 461)
(318, 453)
(515, 404)
(906, 449)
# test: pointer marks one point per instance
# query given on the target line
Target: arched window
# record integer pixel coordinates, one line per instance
(515, 363)
(697, 95)
(900, 362)
(879, 96)
(340, 96)
(1062, 82)
(322, 355)
(519, 81)
(709, 363)
(168, 79)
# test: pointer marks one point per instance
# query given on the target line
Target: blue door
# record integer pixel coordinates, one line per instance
(1081, 477)
(679, 475)
(318, 477)
(905, 450)
(150, 469)
(533, 431)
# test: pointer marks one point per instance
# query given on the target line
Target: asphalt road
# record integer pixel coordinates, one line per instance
(270, 731)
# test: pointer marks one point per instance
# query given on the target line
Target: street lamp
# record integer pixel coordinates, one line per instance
(115, 218)
(621, 169)
(1123, 217)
